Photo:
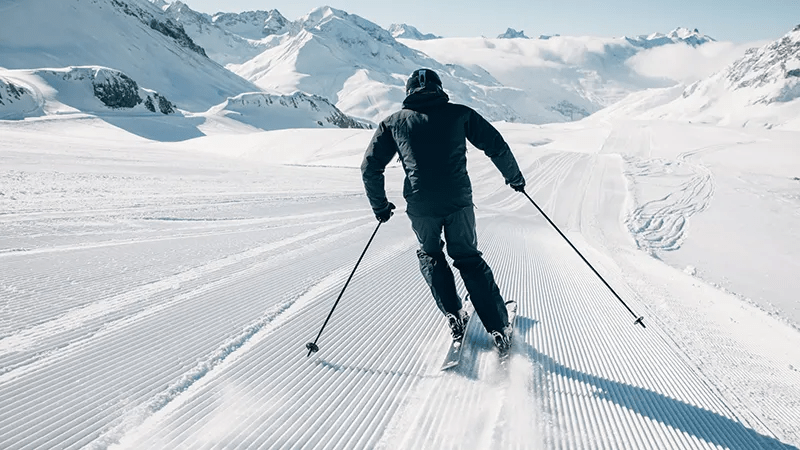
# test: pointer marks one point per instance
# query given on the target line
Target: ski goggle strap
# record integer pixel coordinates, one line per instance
(422, 77)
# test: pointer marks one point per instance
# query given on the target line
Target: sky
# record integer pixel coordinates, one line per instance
(728, 20)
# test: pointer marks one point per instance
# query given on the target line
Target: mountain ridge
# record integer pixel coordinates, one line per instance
(762, 88)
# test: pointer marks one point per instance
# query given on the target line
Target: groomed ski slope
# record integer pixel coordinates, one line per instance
(161, 295)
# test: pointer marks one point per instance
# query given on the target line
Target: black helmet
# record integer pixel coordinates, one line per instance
(423, 79)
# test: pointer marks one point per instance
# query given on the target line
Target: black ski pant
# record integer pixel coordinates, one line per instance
(462, 246)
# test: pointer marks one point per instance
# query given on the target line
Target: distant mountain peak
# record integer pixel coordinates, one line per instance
(513, 34)
(679, 35)
(692, 37)
(252, 24)
(160, 4)
(321, 14)
(338, 23)
(275, 23)
(683, 33)
(404, 31)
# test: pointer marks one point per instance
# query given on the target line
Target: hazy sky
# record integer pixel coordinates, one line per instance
(729, 20)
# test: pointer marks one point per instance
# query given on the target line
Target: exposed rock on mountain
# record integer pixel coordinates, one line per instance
(113, 88)
(16, 101)
(768, 74)
(165, 27)
(513, 34)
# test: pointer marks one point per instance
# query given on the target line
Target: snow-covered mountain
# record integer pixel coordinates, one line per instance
(513, 34)
(361, 68)
(562, 78)
(134, 37)
(162, 4)
(218, 34)
(347, 60)
(150, 65)
(104, 92)
(76, 89)
(404, 31)
(762, 88)
(679, 35)
(275, 112)
(252, 24)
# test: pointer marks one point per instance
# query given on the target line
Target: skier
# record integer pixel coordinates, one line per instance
(429, 134)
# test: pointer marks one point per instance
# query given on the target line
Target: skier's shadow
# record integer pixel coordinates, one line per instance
(693, 420)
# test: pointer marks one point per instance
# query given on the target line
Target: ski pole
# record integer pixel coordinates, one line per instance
(312, 346)
(639, 319)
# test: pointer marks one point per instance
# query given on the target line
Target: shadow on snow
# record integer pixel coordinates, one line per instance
(698, 422)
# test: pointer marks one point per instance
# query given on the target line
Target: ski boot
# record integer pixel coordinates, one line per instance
(458, 324)
(502, 340)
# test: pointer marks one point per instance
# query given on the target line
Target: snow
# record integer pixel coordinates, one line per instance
(277, 112)
(563, 78)
(162, 272)
(756, 90)
(358, 66)
(163, 293)
(405, 31)
(120, 38)
(361, 68)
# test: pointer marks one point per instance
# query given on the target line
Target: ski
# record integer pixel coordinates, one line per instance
(453, 356)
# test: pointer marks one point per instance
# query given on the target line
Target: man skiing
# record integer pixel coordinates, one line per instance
(429, 134)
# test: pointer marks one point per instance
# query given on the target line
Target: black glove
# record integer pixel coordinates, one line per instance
(386, 213)
(519, 187)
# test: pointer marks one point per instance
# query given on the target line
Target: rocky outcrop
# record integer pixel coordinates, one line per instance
(166, 27)
(160, 103)
(513, 34)
(113, 88)
(116, 90)
(10, 93)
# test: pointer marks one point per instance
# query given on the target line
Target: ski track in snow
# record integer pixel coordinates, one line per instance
(190, 334)
(662, 224)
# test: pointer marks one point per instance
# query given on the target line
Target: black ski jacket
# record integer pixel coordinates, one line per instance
(430, 134)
